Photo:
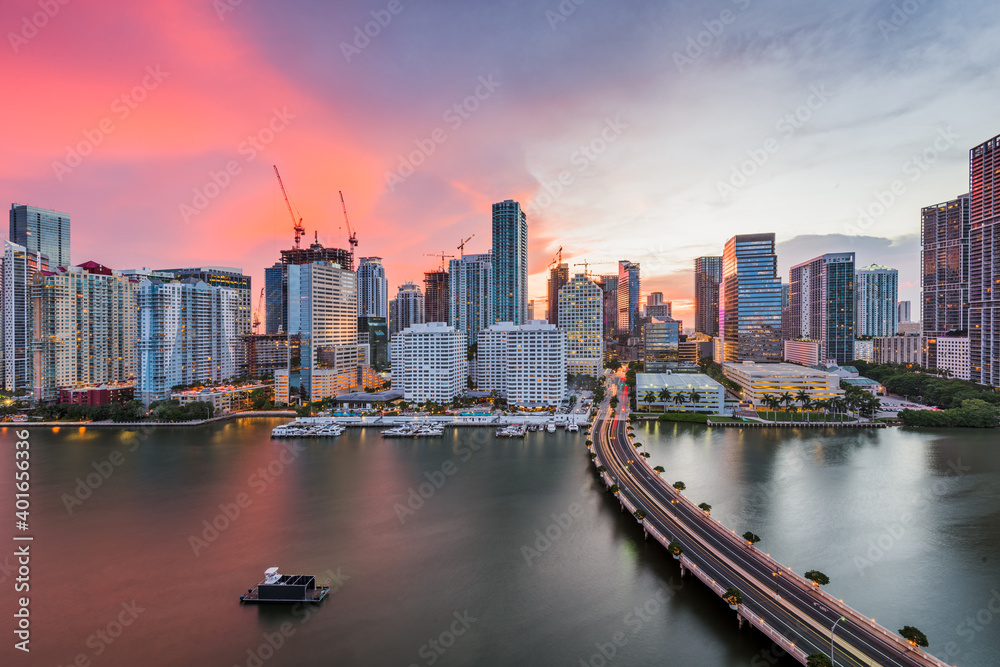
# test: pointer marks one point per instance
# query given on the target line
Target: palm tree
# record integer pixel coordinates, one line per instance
(650, 398)
(788, 400)
(695, 397)
(808, 404)
(679, 398)
(773, 402)
(802, 398)
(664, 397)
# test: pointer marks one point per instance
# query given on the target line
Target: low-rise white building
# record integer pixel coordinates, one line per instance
(804, 352)
(953, 356)
(864, 350)
(223, 399)
(429, 362)
(678, 391)
(526, 363)
(899, 350)
(760, 380)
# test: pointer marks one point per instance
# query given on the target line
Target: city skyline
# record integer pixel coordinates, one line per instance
(169, 179)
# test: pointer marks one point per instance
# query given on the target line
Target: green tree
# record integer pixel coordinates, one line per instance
(680, 486)
(705, 507)
(650, 398)
(914, 636)
(675, 548)
(818, 660)
(751, 537)
(613, 402)
(659, 469)
(817, 577)
(640, 515)
(733, 596)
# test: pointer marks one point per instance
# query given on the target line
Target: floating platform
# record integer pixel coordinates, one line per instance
(285, 589)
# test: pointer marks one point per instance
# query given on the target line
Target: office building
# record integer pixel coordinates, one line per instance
(187, 334)
(683, 392)
(41, 231)
(876, 291)
(531, 310)
(629, 286)
(610, 286)
(694, 349)
(984, 262)
(510, 263)
(275, 314)
(436, 297)
(951, 354)
(21, 266)
(558, 277)
(266, 353)
(373, 295)
(903, 312)
(581, 318)
(660, 345)
(900, 350)
(525, 363)
(657, 308)
(85, 329)
(373, 332)
(761, 380)
(803, 352)
(429, 362)
(406, 309)
(707, 278)
(821, 304)
(750, 300)
(944, 276)
(276, 279)
(471, 304)
(786, 312)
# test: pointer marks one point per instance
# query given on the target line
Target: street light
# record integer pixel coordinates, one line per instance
(832, 630)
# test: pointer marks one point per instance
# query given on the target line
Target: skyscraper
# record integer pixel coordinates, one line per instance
(876, 291)
(660, 345)
(821, 304)
(526, 363)
(86, 328)
(558, 276)
(470, 282)
(41, 231)
(224, 276)
(707, 276)
(903, 314)
(750, 300)
(430, 362)
(510, 263)
(984, 262)
(944, 275)
(628, 296)
(276, 315)
(436, 297)
(581, 318)
(406, 309)
(276, 279)
(658, 308)
(20, 268)
(187, 334)
(610, 286)
(372, 288)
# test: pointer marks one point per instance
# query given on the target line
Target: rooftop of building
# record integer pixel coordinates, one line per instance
(370, 397)
(532, 325)
(673, 381)
(222, 389)
(778, 369)
(861, 382)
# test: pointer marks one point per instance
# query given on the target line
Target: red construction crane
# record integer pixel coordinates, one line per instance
(352, 238)
(296, 225)
(256, 315)
(461, 246)
(442, 256)
(557, 260)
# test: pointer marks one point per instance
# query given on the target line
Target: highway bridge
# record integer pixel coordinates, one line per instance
(795, 613)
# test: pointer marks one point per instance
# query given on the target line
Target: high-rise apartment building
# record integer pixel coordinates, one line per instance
(526, 363)
(610, 286)
(984, 262)
(86, 329)
(21, 266)
(372, 288)
(750, 300)
(876, 291)
(821, 304)
(406, 309)
(429, 362)
(374, 332)
(224, 276)
(42, 231)
(276, 279)
(657, 308)
(470, 281)
(581, 318)
(510, 263)
(903, 312)
(707, 277)
(629, 286)
(187, 334)
(558, 276)
(437, 296)
(944, 274)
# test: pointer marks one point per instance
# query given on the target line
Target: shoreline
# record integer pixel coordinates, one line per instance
(200, 422)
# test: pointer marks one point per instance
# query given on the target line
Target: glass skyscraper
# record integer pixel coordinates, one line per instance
(471, 285)
(276, 318)
(984, 262)
(750, 296)
(821, 304)
(707, 276)
(41, 231)
(510, 263)
(876, 291)
(373, 297)
(661, 341)
(628, 296)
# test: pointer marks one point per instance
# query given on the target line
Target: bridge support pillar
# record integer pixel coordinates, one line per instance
(739, 619)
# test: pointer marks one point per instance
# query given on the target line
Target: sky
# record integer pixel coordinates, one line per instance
(648, 131)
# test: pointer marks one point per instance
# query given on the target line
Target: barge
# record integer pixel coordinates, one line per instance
(285, 589)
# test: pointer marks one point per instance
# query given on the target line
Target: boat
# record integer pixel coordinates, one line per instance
(285, 589)
(572, 427)
(551, 427)
(398, 432)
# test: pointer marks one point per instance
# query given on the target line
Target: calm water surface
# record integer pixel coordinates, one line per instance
(472, 550)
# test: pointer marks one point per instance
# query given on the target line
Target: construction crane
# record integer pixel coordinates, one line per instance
(461, 246)
(256, 315)
(296, 225)
(442, 256)
(352, 238)
(557, 260)
(586, 265)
